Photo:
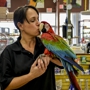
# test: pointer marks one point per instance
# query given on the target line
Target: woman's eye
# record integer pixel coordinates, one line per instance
(32, 20)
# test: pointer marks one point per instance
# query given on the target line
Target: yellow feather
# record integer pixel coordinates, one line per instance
(41, 26)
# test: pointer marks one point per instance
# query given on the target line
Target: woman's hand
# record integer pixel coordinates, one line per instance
(43, 61)
(39, 66)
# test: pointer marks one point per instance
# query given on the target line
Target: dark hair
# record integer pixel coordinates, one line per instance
(20, 15)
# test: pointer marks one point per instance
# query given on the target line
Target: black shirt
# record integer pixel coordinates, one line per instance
(16, 61)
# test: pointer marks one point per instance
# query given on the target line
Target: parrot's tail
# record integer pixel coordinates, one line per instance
(75, 71)
(74, 81)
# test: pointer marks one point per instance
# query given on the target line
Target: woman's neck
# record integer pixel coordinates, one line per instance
(28, 41)
(28, 44)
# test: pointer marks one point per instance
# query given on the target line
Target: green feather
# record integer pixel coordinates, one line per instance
(60, 44)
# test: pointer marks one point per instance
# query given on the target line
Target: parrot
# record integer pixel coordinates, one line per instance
(56, 46)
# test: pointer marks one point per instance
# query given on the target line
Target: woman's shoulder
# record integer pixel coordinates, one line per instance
(13, 46)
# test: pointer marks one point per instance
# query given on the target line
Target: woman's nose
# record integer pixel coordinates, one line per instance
(38, 23)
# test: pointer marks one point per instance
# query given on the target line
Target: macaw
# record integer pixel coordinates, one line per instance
(56, 46)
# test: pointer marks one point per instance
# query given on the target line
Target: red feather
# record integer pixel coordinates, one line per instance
(74, 81)
(50, 35)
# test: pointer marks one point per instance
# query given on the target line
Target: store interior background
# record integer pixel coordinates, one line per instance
(75, 17)
(51, 17)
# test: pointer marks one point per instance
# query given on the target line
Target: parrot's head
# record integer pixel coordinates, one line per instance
(45, 27)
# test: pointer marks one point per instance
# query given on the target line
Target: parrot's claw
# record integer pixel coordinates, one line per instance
(41, 55)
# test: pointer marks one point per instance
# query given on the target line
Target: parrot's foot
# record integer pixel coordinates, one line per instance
(41, 55)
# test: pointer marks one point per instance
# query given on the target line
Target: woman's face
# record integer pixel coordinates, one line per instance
(31, 28)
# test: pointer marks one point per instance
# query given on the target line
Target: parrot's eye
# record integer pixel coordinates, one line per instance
(47, 26)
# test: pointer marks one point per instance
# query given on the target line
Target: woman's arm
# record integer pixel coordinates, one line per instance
(56, 61)
(18, 82)
(37, 66)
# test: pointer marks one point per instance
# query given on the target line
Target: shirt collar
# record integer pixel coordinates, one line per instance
(18, 47)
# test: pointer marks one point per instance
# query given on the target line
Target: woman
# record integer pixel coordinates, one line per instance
(20, 67)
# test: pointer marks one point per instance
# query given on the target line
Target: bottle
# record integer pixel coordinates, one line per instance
(88, 49)
(71, 87)
(89, 69)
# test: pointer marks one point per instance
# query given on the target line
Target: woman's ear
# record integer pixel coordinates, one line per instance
(20, 26)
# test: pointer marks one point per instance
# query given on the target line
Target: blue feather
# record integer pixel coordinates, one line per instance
(58, 46)
(66, 56)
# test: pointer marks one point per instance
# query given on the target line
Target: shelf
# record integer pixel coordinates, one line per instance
(85, 33)
(82, 79)
(84, 29)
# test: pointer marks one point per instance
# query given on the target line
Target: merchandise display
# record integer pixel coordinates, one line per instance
(84, 30)
(3, 41)
(77, 49)
(83, 78)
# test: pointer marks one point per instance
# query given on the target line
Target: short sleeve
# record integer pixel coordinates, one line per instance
(6, 72)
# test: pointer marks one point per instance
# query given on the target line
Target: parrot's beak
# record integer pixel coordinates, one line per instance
(42, 28)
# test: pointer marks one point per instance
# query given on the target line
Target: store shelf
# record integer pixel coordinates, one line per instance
(84, 31)
(83, 79)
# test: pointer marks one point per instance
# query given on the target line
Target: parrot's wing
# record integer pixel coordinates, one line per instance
(66, 47)
(60, 50)
(58, 47)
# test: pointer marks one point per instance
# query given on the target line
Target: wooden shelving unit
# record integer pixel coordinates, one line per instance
(84, 30)
(83, 79)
